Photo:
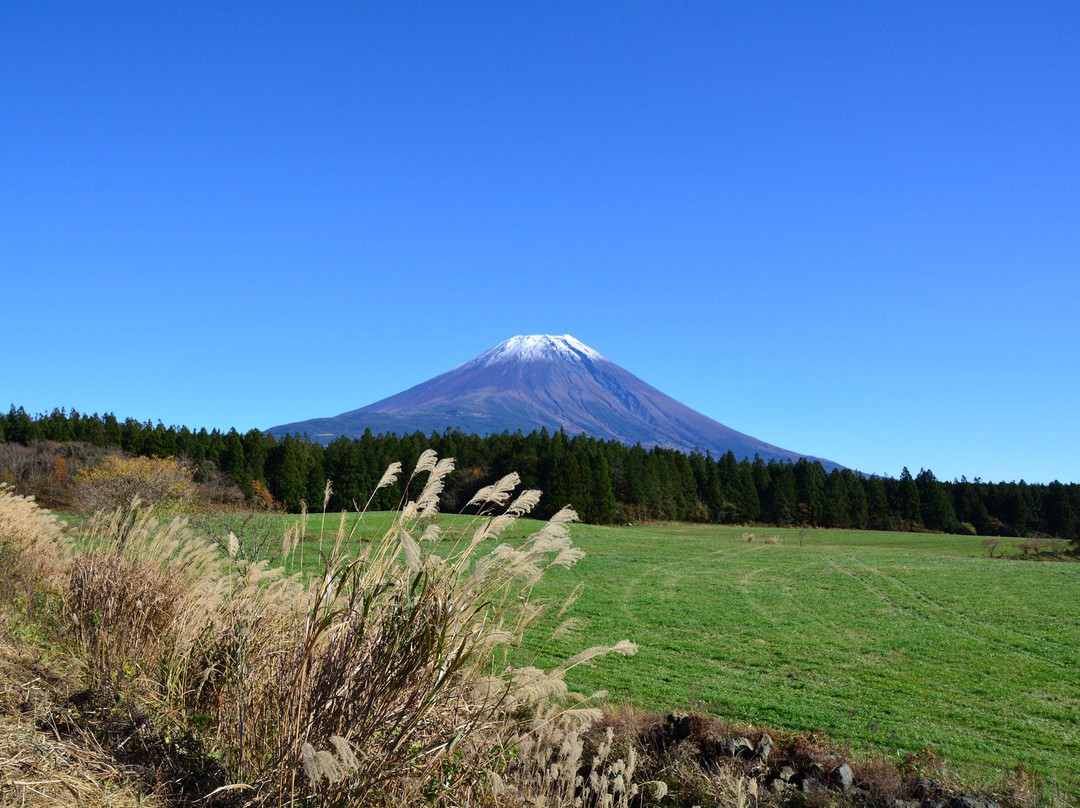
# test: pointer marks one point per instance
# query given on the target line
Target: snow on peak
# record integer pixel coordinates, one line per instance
(538, 347)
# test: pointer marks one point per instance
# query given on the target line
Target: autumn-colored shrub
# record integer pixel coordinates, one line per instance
(164, 485)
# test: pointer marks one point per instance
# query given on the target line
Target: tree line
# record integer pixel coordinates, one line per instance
(605, 481)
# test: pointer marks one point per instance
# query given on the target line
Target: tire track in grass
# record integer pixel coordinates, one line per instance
(979, 631)
(1029, 724)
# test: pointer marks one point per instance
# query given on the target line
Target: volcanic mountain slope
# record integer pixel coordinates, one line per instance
(529, 382)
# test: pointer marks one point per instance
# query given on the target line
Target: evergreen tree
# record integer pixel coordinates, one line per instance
(936, 506)
(781, 496)
(910, 503)
(746, 500)
(877, 505)
(603, 508)
(837, 504)
(810, 480)
(1061, 519)
(860, 514)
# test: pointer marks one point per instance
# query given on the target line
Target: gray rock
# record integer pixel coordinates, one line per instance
(764, 747)
(925, 788)
(843, 778)
(970, 801)
(738, 747)
(787, 774)
(809, 785)
(777, 785)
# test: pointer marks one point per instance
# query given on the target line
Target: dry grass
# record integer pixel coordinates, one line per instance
(384, 681)
(33, 553)
(40, 763)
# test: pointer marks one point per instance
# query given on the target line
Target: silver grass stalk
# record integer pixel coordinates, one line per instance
(390, 475)
(311, 767)
(412, 552)
(497, 493)
(525, 502)
(345, 752)
(426, 462)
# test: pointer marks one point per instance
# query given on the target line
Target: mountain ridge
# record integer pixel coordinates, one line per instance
(533, 381)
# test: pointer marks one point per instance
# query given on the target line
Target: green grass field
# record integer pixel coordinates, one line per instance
(887, 642)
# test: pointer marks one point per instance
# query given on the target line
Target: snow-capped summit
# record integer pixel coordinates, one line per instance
(557, 382)
(536, 347)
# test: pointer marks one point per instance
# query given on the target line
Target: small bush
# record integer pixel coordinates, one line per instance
(1030, 548)
(164, 485)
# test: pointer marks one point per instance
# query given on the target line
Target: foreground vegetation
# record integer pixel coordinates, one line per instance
(145, 663)
(384, 680)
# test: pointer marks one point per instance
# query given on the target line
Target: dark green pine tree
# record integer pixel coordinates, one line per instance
(877, 505)
(603, 508)
(810, 480)
(232, 459)
(837, 503)
(910, 503)
(936, 504)
(21, 428)
(781, 496)
(285, 473)
(747, 501)
(1061, 519)
(860, 514)
(1014, 508)
(712, 495)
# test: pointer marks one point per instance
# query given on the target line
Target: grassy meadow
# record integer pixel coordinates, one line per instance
(888, 642)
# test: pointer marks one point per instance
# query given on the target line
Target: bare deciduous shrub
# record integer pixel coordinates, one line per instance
(46, 469)
(991, 545)
(1030, 548)
(216, 490)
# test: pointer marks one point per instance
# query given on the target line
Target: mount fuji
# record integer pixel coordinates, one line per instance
(529, 382)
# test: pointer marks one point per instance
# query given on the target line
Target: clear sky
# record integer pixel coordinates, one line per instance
(851, 229)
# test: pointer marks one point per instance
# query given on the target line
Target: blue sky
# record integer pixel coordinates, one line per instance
(848, 229)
